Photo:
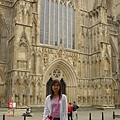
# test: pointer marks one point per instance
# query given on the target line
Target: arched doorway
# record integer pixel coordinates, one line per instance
(48, 86)
(63, 86)
(62, 71)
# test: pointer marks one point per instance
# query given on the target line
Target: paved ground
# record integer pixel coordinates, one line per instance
(82, 115)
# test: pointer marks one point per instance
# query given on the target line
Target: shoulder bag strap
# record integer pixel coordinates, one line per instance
(56, 109)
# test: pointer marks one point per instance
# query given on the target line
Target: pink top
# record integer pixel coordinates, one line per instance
(54, 102)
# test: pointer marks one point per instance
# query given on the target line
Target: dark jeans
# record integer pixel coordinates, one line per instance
(56, 118)
(70, 116)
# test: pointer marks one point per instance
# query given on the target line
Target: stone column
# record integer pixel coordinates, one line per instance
(37, 64)
(35, 97)
(13, 89)
(21, 94)
(38, 23)
(28, 92)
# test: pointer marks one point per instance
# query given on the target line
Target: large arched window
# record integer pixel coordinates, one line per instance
(57, 22)
(0, 42)
(3, 39)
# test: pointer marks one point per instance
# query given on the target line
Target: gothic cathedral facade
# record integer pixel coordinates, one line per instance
(74, 41)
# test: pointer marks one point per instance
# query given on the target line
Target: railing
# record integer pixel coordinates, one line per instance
(24, 117)
(90, 116)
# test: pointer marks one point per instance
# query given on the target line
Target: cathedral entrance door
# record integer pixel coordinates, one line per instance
(63, 86)
(48, 85)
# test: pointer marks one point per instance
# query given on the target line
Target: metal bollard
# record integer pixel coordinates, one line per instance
(113, 115)
(89, 116)
(102, 116)
(4, 117)
(24, 117)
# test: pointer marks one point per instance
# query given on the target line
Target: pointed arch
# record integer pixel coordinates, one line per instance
(24, 87)
(114, 54)
(68, 75)
(24, 39)
(27, 17)
(4, 21)
(65, 66)
(23, 52)
(38, 91)
(22, 56)
(37, 88)
(32, 91)
(3, 39)
(2, 87)
(17, 91)
(33, 63)
(34, 32)
(17, 87)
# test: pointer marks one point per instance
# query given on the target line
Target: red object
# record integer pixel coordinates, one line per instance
(70, 108)
(10, 115)
(10, 104)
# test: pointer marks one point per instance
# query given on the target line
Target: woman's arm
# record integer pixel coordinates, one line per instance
(46, 110)
(65, 107)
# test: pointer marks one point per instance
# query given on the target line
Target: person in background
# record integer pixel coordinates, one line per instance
(75, 114)
(56, 103)
(70, 109)
(27, 111)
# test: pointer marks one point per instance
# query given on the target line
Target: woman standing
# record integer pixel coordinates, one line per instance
(56, 103)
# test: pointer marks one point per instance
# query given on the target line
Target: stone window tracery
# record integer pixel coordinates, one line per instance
(56, 73)
(57, 22)
(22, 56)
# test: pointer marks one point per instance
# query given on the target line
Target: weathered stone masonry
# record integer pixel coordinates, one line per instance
(89, 71)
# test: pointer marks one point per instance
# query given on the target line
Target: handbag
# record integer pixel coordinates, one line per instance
(48, 118)
(52, 117)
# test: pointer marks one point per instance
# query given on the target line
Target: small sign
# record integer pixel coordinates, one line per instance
(14, 104)
(10, 104)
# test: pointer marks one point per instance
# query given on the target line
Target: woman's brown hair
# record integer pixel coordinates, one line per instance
(52, 92)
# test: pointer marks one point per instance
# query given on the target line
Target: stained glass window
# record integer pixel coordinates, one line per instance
(57, 22)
